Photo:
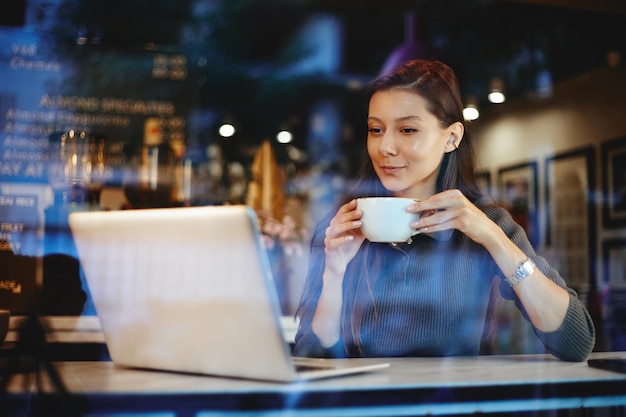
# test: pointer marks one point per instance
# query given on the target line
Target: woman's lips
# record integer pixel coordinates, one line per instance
(390, 169)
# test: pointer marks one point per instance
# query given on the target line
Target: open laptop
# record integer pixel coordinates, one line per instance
(190, 290)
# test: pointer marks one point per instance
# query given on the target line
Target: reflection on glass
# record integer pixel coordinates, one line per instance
(75, 154)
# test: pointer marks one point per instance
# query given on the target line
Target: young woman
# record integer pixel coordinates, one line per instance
(432, 296)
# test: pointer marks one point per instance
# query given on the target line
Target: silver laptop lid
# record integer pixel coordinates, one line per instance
(184, 289)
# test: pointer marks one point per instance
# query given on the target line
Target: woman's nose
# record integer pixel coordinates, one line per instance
(387, 145)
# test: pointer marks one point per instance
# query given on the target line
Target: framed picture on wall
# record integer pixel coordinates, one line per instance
(570, 215)
(484, 181)
(517, 191)
(614, 263)
(614, 182)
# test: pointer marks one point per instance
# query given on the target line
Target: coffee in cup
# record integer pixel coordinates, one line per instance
(385, 219)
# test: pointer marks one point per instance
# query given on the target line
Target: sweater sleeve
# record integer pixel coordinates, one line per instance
(307, 344)
(575, 338)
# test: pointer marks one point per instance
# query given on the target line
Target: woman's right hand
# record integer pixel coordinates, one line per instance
(343, 238)
(342, 241)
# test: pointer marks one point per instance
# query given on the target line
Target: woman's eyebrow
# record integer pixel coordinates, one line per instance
(399, 119)
(407, 118)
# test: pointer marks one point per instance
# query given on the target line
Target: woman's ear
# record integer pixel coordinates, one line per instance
(455, 136)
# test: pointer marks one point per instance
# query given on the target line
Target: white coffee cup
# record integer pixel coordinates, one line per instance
(385, 219)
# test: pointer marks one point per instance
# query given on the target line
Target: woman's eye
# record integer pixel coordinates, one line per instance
(374, 130)
(408, 130)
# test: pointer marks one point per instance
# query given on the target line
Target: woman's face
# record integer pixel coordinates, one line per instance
(405, 143)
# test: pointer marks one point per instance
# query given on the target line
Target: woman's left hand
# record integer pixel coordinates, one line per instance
(544, 301)
(450, 209)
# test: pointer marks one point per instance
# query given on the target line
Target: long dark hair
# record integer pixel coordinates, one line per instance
(438, 85)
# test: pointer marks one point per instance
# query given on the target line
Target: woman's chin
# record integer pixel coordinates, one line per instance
(395, 187)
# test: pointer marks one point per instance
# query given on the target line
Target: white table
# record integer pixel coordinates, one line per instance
(414, 386)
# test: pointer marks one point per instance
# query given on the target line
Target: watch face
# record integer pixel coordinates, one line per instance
(522, 272)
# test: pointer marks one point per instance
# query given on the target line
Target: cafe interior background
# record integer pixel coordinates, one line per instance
(113, 104)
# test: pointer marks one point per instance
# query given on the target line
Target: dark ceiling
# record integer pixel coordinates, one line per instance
(480, 39)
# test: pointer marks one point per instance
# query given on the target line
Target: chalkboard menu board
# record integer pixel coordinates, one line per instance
(66, 133)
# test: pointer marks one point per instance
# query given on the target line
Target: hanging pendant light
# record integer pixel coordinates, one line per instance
(412, 48)
(470, 111)
(496, 91)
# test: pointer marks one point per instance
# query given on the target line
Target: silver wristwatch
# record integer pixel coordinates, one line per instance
(525, 269)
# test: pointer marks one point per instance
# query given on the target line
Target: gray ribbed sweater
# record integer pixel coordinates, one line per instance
(433, 298)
